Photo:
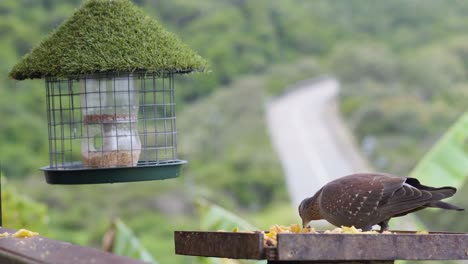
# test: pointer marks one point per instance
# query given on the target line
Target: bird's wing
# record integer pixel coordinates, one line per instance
(399, 197)
(357, 198)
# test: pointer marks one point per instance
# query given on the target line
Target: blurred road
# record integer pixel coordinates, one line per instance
(310, 138)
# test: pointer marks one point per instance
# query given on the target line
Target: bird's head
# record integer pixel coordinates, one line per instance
(309, 209)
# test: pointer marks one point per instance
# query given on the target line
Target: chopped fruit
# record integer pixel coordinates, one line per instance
(270, 238)
(24, 233)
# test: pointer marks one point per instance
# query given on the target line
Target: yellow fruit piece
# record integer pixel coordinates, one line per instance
(4, 235)
(24, 233)
(334, 231)
(351, 230)
(295, 228)
(278, 229)
(422, 232)
(271, 234)
(270, 238)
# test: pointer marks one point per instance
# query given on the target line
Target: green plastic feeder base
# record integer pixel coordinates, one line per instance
(75, 173)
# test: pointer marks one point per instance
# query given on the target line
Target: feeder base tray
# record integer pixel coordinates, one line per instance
(75, 173)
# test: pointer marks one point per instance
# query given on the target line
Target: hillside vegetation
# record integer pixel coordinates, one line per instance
(381, 50)
(402, 63)
(403, 66)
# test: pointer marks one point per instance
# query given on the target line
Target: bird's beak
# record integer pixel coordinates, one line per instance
(304, 224)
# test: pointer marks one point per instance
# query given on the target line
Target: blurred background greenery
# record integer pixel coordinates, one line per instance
(402, 64)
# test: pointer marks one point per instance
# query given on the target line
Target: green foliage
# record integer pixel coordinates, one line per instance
(280, 77)
(452, 222)
(246, 37)
(213, 218)
(398, 104)
(225, 139)
(353, 62)
(446, 164)
(19, 211)
(127, 244)
(403, 65)
(23, 127)
(82, 214)
(431, 70)
(105, 36)
(244, 177)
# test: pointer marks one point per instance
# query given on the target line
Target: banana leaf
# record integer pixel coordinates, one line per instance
(215, 218)
(446, 164)
(124, 243)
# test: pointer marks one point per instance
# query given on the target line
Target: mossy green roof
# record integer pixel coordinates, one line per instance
(107, 36)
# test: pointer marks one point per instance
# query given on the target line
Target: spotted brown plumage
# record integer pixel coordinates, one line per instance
(364, 200)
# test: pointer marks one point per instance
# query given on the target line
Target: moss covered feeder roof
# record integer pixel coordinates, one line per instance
(107, 36)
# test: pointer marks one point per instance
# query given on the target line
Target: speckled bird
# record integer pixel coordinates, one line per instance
(368, 199)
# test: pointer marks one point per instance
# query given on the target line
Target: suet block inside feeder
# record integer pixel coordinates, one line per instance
(109, 72)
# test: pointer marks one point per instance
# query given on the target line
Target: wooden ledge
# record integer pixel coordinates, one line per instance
(40, 249)
(325, 247)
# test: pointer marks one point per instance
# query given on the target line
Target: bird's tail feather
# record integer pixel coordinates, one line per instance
(437, 193)
(443, 205)
(443, 192)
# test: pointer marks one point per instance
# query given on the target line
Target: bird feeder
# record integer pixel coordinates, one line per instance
(109, 72)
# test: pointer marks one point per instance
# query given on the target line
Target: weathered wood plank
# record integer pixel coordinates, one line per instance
(235, 245)
(330, 262)
(332, 248)
(39, 249)
(366, 247)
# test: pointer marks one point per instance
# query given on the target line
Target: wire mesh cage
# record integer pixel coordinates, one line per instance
(107, 121)
(111, 115)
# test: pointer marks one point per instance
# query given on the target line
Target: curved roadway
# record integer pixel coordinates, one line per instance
(309, 136)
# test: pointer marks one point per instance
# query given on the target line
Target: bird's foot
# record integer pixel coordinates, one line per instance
(383, 226)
